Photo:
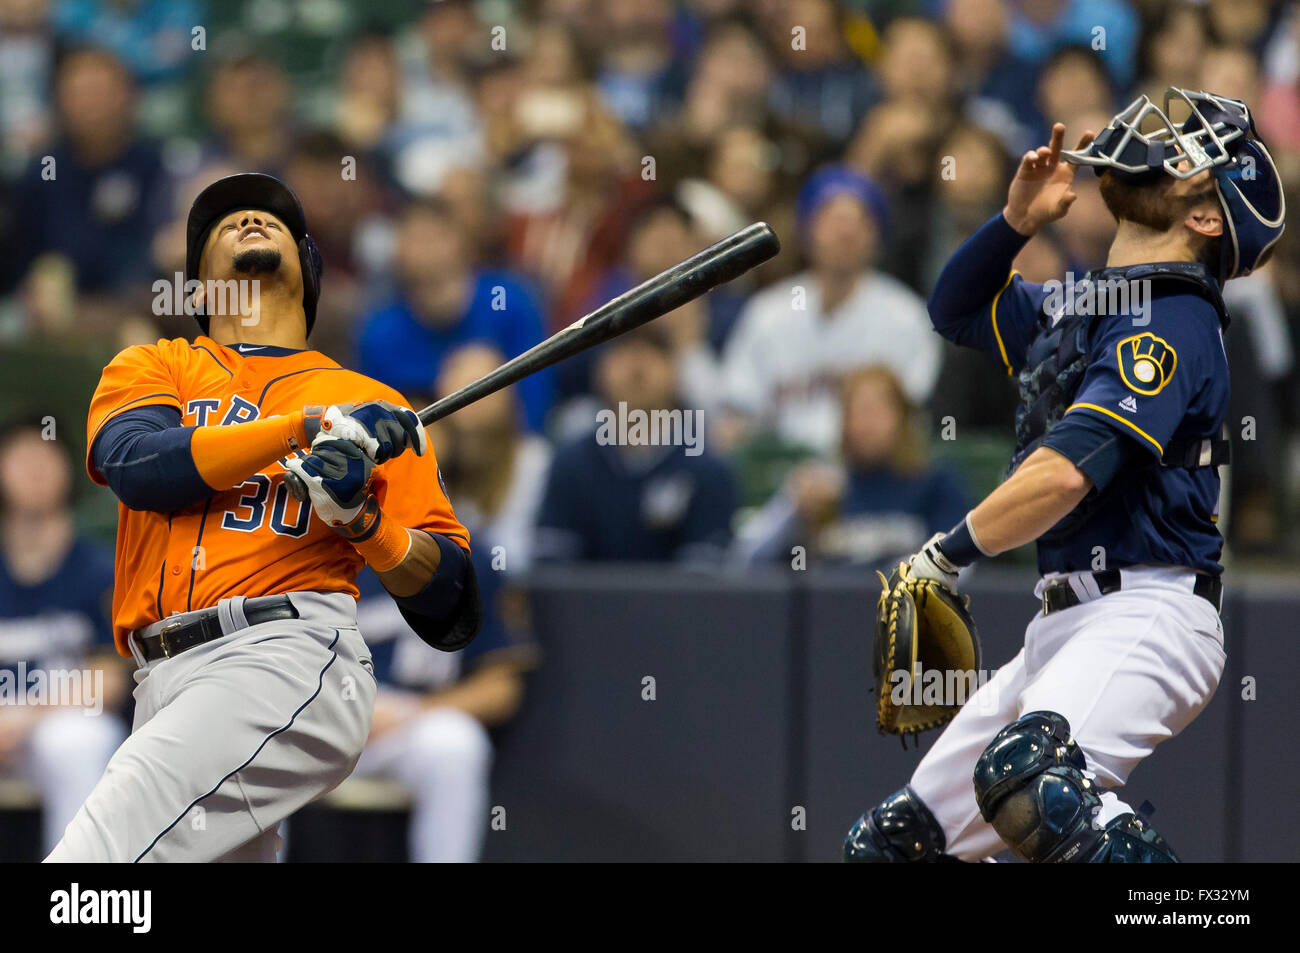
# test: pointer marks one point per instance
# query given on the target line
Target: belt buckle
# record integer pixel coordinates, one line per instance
(1050, 604)
(163, 634)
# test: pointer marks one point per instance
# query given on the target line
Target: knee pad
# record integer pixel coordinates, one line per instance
(899, 830)
(1030, 785)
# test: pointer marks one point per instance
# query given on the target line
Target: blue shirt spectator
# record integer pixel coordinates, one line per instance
(876, 506)
(821, 82)
(153, 37)
(101, 194)
(884, 512)
(102, 218)
(396, 347)
(639, 76)
(444, 302)
(865, 517)
(1081, 22)
(61, 718)
(56, 588)
(602, 506)
(53, 623)
(641, 487)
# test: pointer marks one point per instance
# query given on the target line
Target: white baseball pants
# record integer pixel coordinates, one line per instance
(1127, 670)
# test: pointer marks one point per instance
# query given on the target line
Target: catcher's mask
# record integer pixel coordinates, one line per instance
(1218, 134)
(253, 190)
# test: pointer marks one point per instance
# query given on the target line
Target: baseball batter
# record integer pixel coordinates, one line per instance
(1119, 434)
(238, 603)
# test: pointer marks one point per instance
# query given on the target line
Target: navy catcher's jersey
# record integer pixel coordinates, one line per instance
(1153, 377)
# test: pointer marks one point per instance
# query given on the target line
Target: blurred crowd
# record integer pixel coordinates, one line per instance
(479, 175)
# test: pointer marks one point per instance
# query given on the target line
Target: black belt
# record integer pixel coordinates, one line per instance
(1058, 594)
(175, 637)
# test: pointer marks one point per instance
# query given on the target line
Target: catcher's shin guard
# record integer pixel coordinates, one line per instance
(899, 830)
(1128, 839)
(1030, 785)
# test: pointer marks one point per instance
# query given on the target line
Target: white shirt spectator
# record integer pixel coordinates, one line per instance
(782, 366)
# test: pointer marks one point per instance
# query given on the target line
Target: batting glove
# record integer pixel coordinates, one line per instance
(381, 430)
(337, 477)
(931, 563)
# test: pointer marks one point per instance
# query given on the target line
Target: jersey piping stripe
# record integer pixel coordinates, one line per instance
(320, 684)
(200, 347)
(162, 575)
(993, 315)
(1114, 416)
(194, 556)
(135, 400)
(305, 370)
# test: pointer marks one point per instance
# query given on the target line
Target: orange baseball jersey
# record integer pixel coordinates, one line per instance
(253, 539)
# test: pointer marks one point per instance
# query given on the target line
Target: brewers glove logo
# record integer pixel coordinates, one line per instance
(1146, 363)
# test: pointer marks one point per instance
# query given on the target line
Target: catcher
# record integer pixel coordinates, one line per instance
(1120, 432)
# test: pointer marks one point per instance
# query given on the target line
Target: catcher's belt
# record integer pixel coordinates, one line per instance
(1059, 594)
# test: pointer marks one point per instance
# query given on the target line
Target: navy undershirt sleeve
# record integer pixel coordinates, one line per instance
(975, 273)
(1096, 448)
(144, 454)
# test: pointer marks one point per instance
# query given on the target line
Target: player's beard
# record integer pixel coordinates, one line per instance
(258, 261)
(1148, 203)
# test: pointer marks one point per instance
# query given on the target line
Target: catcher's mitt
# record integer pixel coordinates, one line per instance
(920, 621)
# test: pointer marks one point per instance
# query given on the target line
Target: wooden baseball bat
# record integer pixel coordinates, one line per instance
(665, 292)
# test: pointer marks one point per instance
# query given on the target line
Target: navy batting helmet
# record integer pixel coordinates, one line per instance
(1218, 134)
(253, 190)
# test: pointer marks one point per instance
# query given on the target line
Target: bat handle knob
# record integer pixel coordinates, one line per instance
(297, 489)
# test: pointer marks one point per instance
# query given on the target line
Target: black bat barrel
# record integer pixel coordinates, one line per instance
(653, 298)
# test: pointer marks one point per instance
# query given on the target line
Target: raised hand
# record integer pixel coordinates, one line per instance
(1042, 190)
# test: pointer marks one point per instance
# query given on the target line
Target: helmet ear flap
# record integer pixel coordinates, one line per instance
(1254, 205)
(310, 261)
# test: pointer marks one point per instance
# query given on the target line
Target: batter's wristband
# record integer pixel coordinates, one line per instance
(310, 426)
(383, 543)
